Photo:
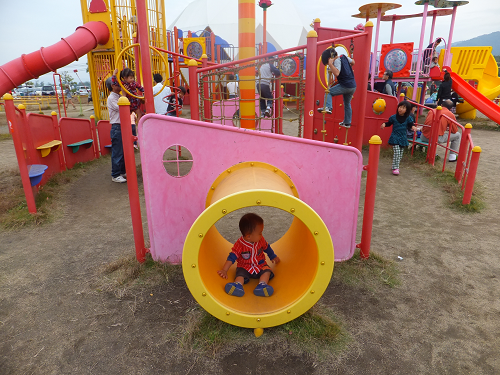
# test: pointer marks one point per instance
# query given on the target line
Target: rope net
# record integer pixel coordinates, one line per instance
(217, 107)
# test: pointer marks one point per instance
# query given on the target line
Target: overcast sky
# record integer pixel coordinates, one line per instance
(27, 25)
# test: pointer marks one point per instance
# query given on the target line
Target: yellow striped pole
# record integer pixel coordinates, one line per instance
(246, 42)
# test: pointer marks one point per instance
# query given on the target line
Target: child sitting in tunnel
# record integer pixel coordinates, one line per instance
(249, 251)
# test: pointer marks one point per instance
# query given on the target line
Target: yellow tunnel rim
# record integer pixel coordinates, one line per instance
(250, 198)
(249, 164)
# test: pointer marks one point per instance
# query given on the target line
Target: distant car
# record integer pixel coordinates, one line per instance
(82, 90)
(21, 92)
(48, 90)
(35, 91)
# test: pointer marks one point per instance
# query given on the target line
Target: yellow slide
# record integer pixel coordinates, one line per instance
(306, 250)
(477, 64)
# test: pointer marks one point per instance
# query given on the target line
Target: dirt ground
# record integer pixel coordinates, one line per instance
(443, 318)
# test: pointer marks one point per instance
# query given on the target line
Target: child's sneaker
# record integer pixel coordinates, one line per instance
(327, 110)
(267, 112)
(395, 172)
(263, 290)
(234, 289)
(118, 179)
(347, 126)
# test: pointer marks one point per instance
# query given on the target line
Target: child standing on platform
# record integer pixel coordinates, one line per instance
(401, 122)
(249, 251)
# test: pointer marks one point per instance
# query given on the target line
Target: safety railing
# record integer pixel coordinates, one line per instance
(467, 156)
(217, 107)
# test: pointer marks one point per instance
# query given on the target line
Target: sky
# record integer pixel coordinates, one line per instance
(42, 23)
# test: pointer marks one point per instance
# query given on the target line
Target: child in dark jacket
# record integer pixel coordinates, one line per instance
(401, 122)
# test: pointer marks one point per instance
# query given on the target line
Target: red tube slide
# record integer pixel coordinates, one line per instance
(35, 64)
(474, 97)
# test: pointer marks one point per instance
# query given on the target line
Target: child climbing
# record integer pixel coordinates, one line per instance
(341, 67)
(127, 76)
(249, 251)
(401, 122)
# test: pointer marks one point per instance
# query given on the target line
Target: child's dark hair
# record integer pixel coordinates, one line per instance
(328, 54)
(407, 105)
(434, 58)
(249, 222)
(231, 77)
(109, 84)
(127, 73)
(158, 78)
(182, 89)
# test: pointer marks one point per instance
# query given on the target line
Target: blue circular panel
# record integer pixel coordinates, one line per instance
(194, 50)
(395, 60)
(288, 66)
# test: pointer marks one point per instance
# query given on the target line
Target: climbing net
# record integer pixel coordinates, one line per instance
(216, 106)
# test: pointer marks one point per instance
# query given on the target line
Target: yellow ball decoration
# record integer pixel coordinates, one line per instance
(379, 106)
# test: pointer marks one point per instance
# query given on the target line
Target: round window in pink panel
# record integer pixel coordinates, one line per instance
(177, 161)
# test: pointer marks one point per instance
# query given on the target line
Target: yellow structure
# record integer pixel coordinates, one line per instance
(306, 250)
(121, 18)
(475, 64)
(195, 47)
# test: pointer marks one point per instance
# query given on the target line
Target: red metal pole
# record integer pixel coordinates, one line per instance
(133, 188)
(364, 68)
(280, 105)
(57, 95)
(176, 58)
(10, 112)
(206, 96)
(431, 152)
(462, 154)
(471, 177)
(147, 79)
(57, 136)
(193, 90)
(312, 40)
(371, 189)
(317, 24)
(137, 59)
(94, 136)
(264, 32)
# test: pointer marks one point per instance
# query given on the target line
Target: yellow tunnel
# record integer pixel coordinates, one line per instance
(305, 250)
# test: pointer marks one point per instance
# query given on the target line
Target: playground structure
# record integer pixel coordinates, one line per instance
(473, 64)
(314, 167)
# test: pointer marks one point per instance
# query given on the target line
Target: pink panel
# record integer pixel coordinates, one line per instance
(103, 131)
(327, 177)
(75, 130)
(42, 132)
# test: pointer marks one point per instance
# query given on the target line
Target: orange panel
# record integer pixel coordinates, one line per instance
(396, 57)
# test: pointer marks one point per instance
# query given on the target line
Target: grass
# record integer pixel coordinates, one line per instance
(4, 137)
(317, 332)
(444, 180)
(480, 123)
(127, 272)
(372, 273)
(13, 208)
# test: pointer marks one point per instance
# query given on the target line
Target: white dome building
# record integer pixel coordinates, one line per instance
(285, 26)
